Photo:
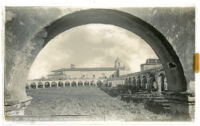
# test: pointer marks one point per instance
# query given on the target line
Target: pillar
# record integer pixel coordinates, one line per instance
(182, 105)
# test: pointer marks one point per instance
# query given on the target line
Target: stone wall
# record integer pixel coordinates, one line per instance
(21, 25)
(178, 26)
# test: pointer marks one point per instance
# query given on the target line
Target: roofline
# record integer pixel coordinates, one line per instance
(89, 69)
(142, 72)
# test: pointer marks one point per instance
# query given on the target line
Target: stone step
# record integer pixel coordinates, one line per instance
(165, 105)
(159, 98)
(167, 108)
(161, 101)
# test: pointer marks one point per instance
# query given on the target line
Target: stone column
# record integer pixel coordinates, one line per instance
(159, 84)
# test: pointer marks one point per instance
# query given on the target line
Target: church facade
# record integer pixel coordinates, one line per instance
(87, 73)
(76, 76)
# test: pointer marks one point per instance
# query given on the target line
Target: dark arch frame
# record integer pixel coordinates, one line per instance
(170, 61)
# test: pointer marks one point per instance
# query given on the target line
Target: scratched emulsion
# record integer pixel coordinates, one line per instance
(22, 25)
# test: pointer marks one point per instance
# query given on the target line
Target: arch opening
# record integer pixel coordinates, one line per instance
(53, 84)
(60, 84)
(33, 85)
(40, 85)
(67, 84)
(99, 83)
(86, 83)
(80, 83)
(160, 45)
(92, 83)
(74, 84)
(47, 84)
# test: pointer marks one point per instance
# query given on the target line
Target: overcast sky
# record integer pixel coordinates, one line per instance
(93, 45)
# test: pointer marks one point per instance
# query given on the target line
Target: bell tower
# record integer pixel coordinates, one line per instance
(117, 63)
(117, 67)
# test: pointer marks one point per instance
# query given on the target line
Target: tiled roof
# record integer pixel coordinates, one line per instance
(142, 72)
(88, 69)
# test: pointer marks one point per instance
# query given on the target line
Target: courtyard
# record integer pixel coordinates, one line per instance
(84, 104)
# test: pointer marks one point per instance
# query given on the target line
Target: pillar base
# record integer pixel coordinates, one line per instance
(182, 104)
(16, 108)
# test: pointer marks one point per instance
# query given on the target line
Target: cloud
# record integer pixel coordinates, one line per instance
(93, 45)
(98, 61)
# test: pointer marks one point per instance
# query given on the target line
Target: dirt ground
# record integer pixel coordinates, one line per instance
(84, 104)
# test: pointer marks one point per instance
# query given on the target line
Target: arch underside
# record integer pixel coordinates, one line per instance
(170, 61)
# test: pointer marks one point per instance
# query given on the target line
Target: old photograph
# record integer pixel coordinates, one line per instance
(99, 64)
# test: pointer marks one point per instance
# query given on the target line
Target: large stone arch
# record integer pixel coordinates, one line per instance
(165, 52)
(169, 59)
